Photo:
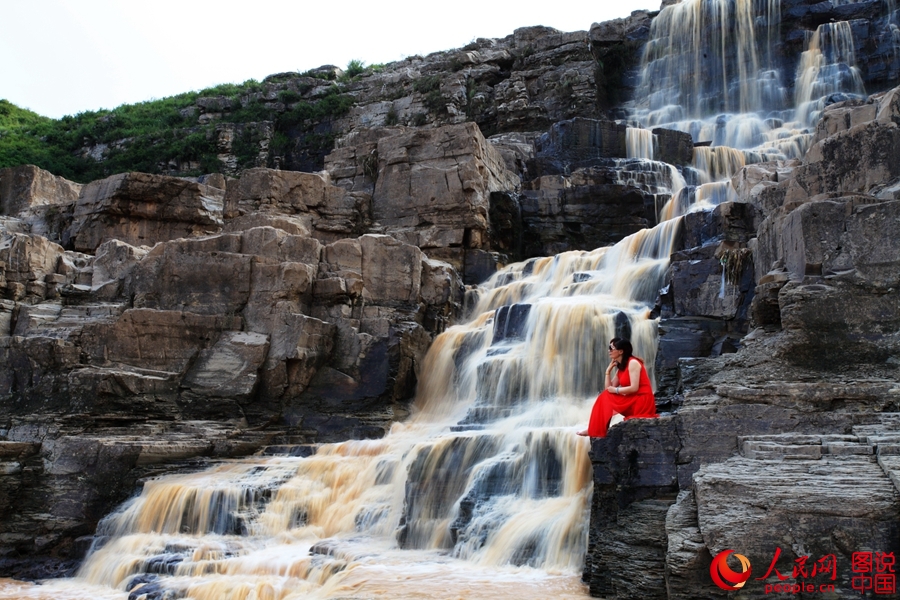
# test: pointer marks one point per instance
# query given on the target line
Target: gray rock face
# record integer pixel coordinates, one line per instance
(787, 441)
(588, 209)
(827, 230)
(523, 82)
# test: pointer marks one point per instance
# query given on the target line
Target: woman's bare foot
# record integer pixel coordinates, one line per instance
(582, 433)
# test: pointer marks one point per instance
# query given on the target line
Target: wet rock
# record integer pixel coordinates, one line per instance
(510, 322)
(590, 208)
(673, 147)
(635, 482)
(576, 141)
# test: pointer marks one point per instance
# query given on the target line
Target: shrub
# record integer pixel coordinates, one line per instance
(354, 67)
(427, 84)
(288, 96)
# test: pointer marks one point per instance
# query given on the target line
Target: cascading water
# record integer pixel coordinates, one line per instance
(827, 67)
(486, 487)
(639, 143)
(711, 70)
(486, 483)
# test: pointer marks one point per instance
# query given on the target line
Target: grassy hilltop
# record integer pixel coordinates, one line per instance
(166, 136)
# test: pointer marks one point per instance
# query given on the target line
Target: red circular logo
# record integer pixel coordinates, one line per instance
(724, 577)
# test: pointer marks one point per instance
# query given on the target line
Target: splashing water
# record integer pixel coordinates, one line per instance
(486, 487)
(827, 67)
(711, 70)
(639, 143)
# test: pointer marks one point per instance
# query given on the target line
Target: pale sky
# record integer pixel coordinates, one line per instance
(62, 57)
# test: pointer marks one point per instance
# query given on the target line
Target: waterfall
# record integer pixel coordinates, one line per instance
(827, 67)
(711, 70)
(486, 487)
(486, 482)
(639, 143)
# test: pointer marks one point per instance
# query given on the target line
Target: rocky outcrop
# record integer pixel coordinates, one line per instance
(141, 209)
(784, 447)
(826, 239)
(704, 307)
(523, 82)
(429, 188)
(305, 202)
(57, 480)
(749, 456)
(155, 331)
(28, 187)
(616, 44)
(42, 202)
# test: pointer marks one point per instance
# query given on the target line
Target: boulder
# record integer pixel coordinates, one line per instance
(141, 209)
(27, 186)
(28, 264)
(391, 270)
(295, 201)
(439, 178)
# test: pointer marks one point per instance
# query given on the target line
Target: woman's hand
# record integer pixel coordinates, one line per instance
(612, 365)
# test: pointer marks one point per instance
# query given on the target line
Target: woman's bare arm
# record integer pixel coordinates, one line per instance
(612, 376)
(634, 374)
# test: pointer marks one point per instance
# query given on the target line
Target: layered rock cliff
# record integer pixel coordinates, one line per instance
(149, 322)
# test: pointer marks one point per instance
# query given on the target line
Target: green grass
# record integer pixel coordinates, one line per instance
(147, 136)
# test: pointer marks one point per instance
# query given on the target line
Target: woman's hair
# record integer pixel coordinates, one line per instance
(627, 351)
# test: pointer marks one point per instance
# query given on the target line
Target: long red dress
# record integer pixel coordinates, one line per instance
(637, 405)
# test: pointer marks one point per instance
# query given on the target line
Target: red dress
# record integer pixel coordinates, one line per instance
(637, 405)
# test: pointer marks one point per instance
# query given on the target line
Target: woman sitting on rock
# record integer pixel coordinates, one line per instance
(627, 390)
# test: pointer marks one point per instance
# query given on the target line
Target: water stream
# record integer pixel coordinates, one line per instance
(485, 490)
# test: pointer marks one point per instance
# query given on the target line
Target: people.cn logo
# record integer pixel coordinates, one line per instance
(724, 577)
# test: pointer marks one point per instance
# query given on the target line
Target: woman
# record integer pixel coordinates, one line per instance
(628, 391)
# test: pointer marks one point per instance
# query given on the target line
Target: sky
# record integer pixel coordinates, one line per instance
(61, 57)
